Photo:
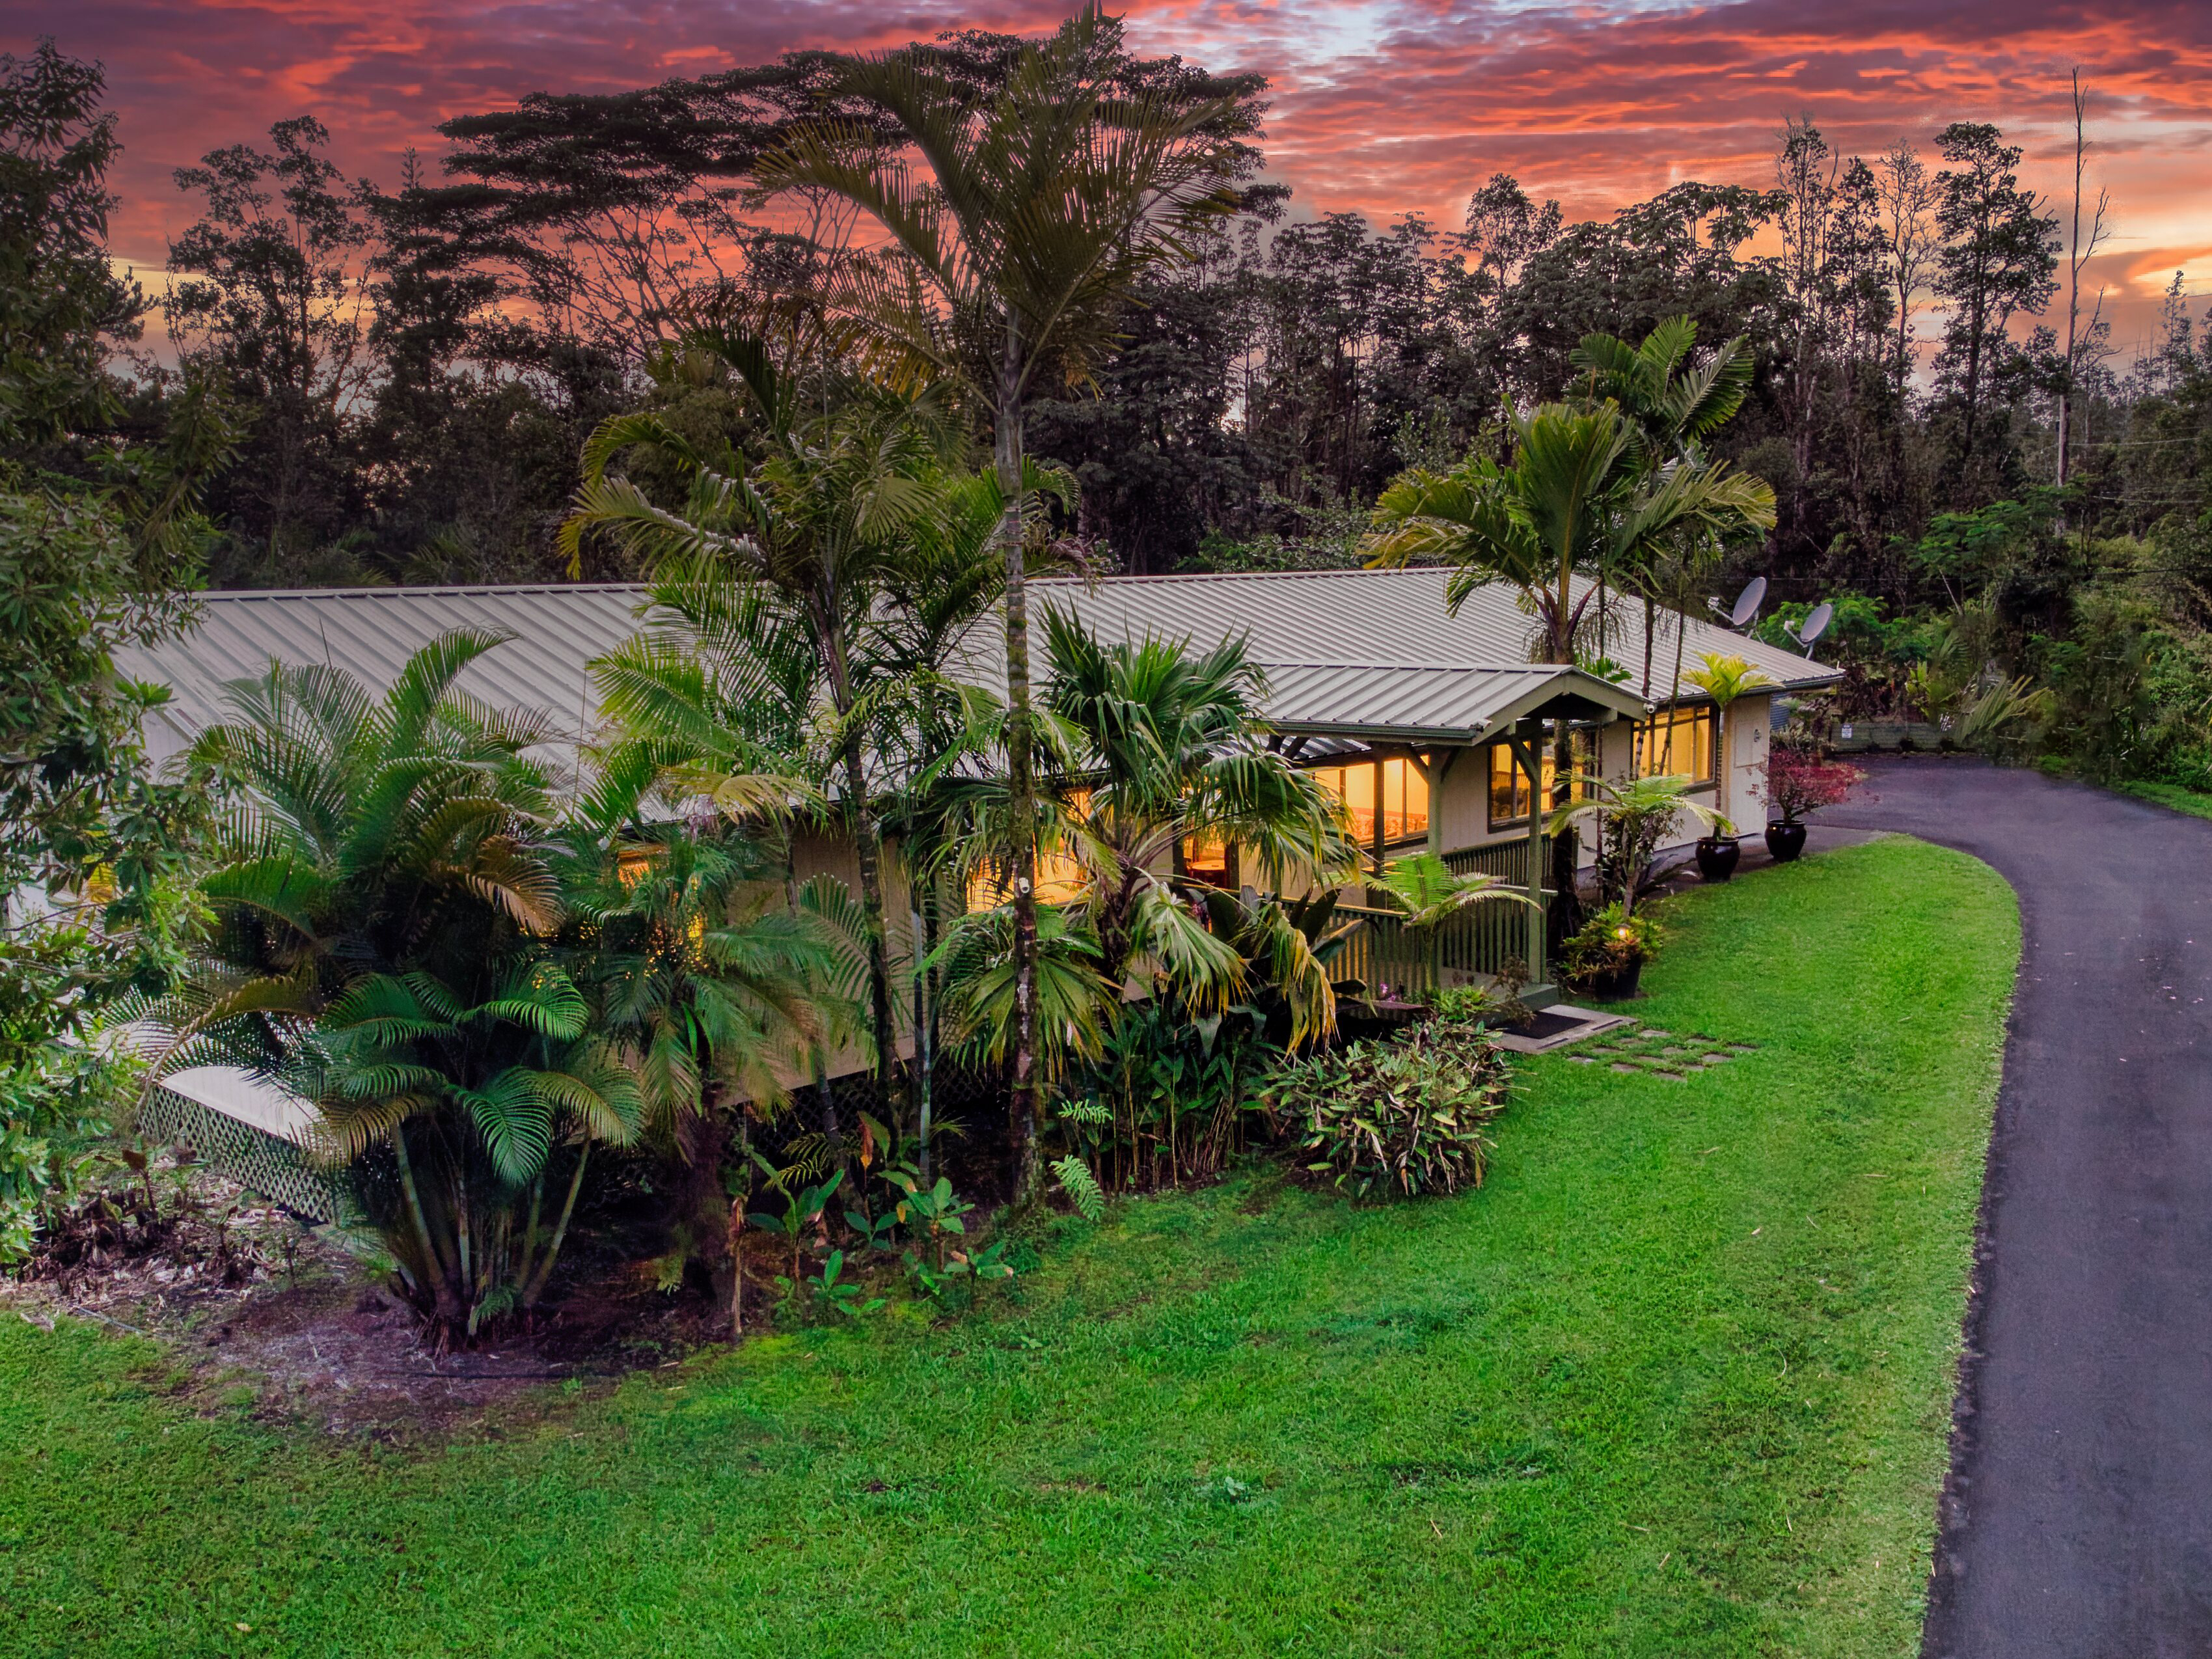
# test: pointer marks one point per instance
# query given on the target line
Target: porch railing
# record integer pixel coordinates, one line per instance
(1478, 942)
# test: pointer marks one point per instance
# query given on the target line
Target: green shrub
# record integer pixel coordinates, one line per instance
(1402, 1116)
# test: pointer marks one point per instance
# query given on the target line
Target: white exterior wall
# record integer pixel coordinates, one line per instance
(1749, 723)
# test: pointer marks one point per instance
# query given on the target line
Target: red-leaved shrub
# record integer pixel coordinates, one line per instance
(1798, 781)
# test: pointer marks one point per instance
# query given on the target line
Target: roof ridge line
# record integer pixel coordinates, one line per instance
(412, 591)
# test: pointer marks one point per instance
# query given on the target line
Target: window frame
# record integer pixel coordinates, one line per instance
(1583, 755)
(1704, 719)
(1373, 843)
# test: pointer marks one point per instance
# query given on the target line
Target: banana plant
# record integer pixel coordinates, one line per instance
(933, 1212)
(801, 1210)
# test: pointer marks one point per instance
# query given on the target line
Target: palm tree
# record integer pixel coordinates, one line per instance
(1574, 502)
(807, 537)
(1165, 751)
(1041, 208)
(1634, 816)
(1673, 410)
(707, 998)
(382, 908)
(1725, 678)
(1431, 893)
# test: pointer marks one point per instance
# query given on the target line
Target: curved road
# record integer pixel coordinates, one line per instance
(2077, 1521)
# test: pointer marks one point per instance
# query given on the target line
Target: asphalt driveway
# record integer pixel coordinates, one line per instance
(2078, 1520)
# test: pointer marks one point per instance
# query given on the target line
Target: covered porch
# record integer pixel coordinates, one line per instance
(1427, 758)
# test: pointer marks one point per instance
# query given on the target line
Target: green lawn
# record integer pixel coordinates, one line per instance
(2170, 794)
(1675, 1381)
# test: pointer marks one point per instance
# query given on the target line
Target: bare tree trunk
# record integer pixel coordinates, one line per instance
(2076, 257)
(868, 837)
(1024, 1108)
(536, 1289)
(446, 1304)
(921, 1078)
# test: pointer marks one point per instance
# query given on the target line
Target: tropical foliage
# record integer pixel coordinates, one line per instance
(1402, 1117)
(1635, 817)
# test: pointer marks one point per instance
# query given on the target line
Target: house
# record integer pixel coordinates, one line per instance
(1429, 724)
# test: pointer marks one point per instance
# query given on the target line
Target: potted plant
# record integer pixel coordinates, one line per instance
(1799, 781)
(1605, 960)
(1724, 679)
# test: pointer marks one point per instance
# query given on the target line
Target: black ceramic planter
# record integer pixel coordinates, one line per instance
(1785, 840)
(1616, 987)
(1717, 857)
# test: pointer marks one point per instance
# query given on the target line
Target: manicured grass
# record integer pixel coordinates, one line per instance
(2170, 794)
(1676, 1381)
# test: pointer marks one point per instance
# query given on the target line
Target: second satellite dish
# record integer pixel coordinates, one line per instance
(1814, 625)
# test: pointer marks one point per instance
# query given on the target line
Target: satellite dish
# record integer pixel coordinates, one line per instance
(1747, 603)
(1814, 625)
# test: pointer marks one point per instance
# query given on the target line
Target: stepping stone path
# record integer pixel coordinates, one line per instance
(1654, 1051)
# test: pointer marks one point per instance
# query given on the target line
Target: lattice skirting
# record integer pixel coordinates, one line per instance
(266, 1164)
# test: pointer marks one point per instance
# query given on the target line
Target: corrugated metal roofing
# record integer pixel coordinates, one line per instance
(1371, 651)
(1382, 618)
(370, 632)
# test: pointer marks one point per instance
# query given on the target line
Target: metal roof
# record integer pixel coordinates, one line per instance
(1379, 618)
(370, 632)
(1366, 653)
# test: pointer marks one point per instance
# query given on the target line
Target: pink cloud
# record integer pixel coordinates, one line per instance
(1385, 106)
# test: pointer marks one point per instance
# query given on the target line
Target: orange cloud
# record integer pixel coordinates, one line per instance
(1382, 105)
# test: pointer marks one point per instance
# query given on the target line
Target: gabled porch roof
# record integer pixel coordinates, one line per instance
(1428, 704)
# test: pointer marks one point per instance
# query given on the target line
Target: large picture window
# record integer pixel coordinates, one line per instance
(1509, 784)
(1388, 799)
(1677, 744)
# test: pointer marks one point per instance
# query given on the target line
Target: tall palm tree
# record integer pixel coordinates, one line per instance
(383, 907)
(813, 529)
(1165, 749)
(1012, 251)
(1576, 501)
(1673, 410)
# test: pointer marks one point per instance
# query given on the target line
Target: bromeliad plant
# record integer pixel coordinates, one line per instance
(1609, 944)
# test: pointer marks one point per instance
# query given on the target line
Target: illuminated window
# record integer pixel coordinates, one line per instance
(1509, 784)
(1390, 795)
(1060, 878)
(1677, 745)
(1209, 860)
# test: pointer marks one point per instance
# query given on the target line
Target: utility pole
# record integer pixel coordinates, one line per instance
(2076, 257)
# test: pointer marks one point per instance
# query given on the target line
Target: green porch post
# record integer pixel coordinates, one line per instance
(1526, 735)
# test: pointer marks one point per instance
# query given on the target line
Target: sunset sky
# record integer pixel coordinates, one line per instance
(1384, 106)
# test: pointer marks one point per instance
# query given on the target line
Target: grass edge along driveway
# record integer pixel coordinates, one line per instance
(1677, 1380)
